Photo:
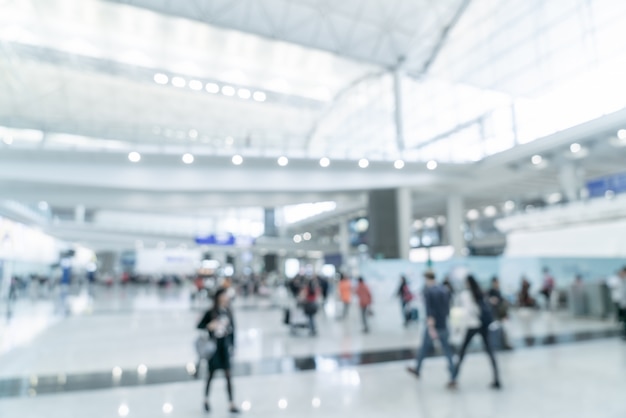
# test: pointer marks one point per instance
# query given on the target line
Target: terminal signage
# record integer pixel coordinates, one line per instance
(599, 187)
(225, 239)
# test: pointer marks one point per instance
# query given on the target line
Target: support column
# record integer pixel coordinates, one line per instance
(79, 214)
(570, 182)
(389, 212)
(399, 120)
(270, 223)
(344, 244)
(455, 224)
(405, 219)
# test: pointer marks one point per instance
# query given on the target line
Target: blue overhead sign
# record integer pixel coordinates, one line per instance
(226, 239)
(599, 187)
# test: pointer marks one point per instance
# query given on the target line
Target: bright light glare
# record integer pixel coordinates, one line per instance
(306, 236)
(117, 372)
(246, 406)
(283, 161)
(195, 85)
(490, 211)
(621, 134)
(399, 164)
(8, 139)
(244, 94)
(237, 159)
(316, 402)
(161, 78)
(134, 157)
(188, 158)
(537, 159)
(574, 148)
(509, 205)
(228, 91)
(297, 239)
(43, 206)
(431, 165)
(282, 404)
(142, 369)
(123, 410)
(473, 214)
(212, 88)
(364, 163)
(259, 96)
(179, 82)
(324, 162)
(167, 408)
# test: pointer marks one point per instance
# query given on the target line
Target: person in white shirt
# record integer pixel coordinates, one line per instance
(478, 317)
(615, 286)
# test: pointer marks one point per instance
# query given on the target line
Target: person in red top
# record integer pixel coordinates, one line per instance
(365, 302)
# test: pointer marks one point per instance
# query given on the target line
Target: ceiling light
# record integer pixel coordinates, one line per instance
(246, 406)
(134, 157)
(230, 140)
(195, 85)
(430, 222)
(188, 158)
(536, 159)
(8, 140)
(473, 214)
(259, 96)
(621, 134)
(43, 206)
(228, 91)
(307, 236)
(282, 404)
(324, 162)
(490, 211)
(212, 88)
(399, 164)
(509, 205)
(237, 159)
(431, 165)
(283, 161)
(316, 402)
(364, 163)
(575, 147)
(244, 94)
(193, 134)
(161, 78)
(297, 239)
(418, 224)
(179, 82)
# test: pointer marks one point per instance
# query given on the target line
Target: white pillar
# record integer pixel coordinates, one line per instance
(455, 224)
(570, 182)
(399, 121)
(79, 214)
(405, 220)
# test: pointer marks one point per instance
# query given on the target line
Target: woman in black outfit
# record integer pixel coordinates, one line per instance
(218, 321)
(478, 317)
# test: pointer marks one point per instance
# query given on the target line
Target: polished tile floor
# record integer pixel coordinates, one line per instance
(291, 376)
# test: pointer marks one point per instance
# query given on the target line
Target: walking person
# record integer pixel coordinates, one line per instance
(622, 300)
(218, 321)
(345, 294)
(548, 287)
(478, 317)
(310, 303)
(437, 300)
(365, 302)
(406, 296)
(500, 307)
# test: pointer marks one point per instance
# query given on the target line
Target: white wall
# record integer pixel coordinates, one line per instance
(599, 239)
(168, 261)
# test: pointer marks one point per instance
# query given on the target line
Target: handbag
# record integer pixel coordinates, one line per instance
(205, 346)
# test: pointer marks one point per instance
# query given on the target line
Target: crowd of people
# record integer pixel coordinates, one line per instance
(477, 312)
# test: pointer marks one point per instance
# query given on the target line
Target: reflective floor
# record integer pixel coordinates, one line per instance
(128, 352)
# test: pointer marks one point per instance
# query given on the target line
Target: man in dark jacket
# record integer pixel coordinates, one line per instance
(437, 300)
